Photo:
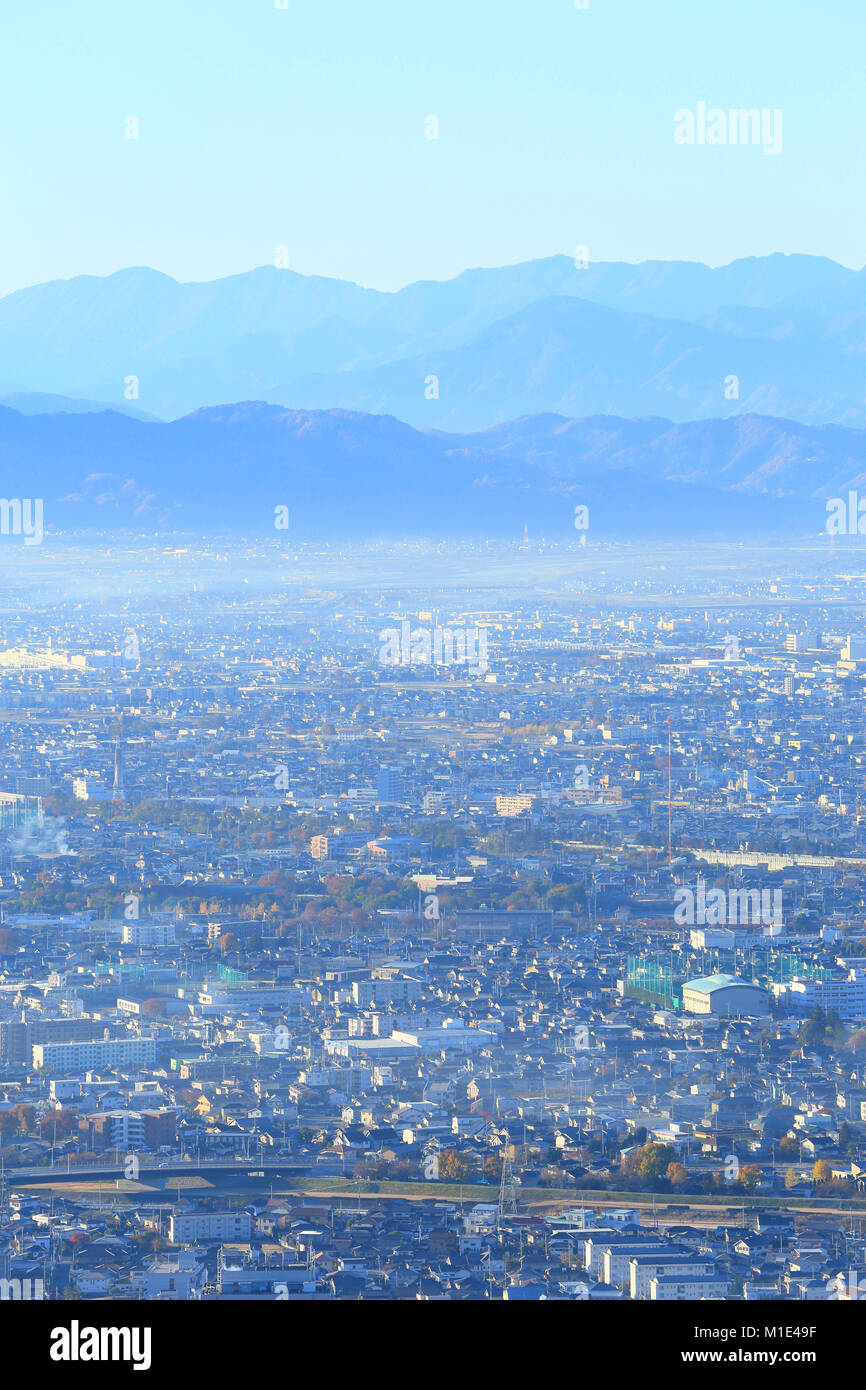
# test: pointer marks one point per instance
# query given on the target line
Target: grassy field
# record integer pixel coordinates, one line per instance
(535, 1197)
(530, 1198)
(121, 1186)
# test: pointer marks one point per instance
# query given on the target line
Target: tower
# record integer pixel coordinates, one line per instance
(507, 1186)
(117, 786)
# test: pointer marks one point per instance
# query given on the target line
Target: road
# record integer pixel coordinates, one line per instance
(213, 1167)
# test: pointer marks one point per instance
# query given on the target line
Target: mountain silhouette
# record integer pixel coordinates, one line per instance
(661, 338)
(345, 474)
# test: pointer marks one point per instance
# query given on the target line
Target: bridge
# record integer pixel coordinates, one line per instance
(72, 1173)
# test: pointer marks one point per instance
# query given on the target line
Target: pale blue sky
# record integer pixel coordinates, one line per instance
(304, 127)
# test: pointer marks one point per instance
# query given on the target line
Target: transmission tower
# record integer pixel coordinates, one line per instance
(507, 1186)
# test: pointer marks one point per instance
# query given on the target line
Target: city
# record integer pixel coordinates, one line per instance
(432, 681)
(325, 976)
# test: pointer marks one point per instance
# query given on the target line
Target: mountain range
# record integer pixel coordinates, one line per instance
(777, 335)
(345, 474)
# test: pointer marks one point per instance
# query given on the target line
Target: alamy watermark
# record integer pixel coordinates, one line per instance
(436, 646)
(22, 516)
(28, 1290)
(846, 516)
(850, 1288)
(739, 126)
(738, 907)
(77, 1343)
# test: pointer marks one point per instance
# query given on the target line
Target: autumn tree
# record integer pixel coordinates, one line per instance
(8, 1124)
(154, 1008)
(24, 1115)
(651, 1162)
(454, 1166)
(676, 1174)
(402, 1170)
(368, 1168)
(57, 1124)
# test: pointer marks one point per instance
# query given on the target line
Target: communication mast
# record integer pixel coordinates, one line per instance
(117, 786)
(507, 1186)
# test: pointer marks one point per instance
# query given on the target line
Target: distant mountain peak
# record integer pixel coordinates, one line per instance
(653, 338)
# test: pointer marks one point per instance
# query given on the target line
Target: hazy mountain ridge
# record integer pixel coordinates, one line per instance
(44, 403)
(572, 357)
(345, 474)
(656, 338)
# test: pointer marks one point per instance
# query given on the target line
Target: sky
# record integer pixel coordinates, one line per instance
(305, 128)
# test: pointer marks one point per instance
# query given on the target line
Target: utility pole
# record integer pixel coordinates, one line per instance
(669, 795)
